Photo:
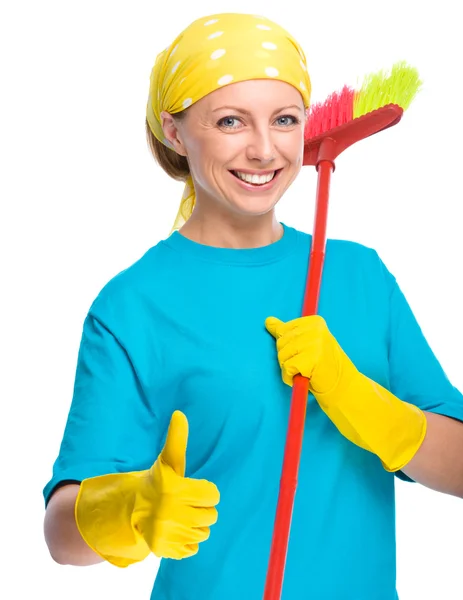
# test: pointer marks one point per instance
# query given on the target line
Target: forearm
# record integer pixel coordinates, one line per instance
(62, 536)
(438, 463)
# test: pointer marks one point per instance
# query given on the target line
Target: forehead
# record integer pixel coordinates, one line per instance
(252, 95)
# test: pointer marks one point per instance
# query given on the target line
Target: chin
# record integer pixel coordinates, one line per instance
(254, 207)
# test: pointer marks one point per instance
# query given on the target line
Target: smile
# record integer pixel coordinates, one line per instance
(252, 180)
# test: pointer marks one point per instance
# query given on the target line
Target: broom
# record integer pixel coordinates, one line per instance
(344, 118)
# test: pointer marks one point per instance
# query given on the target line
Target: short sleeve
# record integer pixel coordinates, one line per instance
(416, 375)
(110, 426)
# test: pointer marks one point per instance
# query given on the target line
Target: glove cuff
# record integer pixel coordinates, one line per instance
(103, 513)
(373, 418)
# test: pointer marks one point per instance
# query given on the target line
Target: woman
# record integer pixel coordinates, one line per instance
(203, 334)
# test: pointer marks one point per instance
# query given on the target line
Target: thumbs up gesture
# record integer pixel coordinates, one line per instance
(125, 516)
(184, 508)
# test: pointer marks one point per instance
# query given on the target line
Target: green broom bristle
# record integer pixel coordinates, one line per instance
(400, 87)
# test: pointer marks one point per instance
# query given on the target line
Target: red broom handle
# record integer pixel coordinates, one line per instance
(295, 432)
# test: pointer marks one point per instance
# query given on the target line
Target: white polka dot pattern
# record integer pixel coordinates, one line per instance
(225, 80)
(219, 50)
(218, 54)
(272, 72)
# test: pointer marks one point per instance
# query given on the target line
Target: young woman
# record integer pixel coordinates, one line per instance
(198, 343)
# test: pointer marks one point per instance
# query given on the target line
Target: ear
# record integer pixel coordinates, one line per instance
(171, 131)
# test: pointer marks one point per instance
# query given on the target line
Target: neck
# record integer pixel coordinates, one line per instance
(238, 232)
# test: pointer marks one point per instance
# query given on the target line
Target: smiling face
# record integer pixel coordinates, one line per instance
(244, 144)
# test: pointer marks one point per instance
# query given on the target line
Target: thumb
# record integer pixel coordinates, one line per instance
(273, 326)
(174, 451)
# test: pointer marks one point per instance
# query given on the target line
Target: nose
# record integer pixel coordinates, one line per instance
(261, 146)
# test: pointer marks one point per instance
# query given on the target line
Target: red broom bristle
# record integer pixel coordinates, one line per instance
(336, 110)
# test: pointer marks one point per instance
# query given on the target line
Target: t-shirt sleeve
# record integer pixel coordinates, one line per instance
(110, 425)
(416, 375)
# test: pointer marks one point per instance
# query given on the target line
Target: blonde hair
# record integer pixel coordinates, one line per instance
(175, 165)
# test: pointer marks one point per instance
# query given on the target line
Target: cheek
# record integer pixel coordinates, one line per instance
(293, 148)
(207, 150)
(202, 157)
(198, 156)
(212, 154)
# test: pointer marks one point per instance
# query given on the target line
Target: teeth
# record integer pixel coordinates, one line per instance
(255, 179)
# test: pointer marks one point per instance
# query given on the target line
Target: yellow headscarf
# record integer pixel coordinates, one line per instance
(215, 51)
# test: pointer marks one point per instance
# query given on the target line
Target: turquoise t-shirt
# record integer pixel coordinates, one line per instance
(183, 328)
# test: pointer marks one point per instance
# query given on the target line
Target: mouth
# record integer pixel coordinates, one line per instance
(254, 181)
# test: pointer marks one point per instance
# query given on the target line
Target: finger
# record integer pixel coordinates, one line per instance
(274, 326)
(200, 493)
(281, 329)
(287, 379)
(199, 516)
(289, 337)
(176, 551)
(189, 550)
(190, 537)
(295, 366)
(300, 346)
(197, 535)
(174, 451)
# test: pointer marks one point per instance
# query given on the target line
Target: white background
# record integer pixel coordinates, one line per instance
(82, 199)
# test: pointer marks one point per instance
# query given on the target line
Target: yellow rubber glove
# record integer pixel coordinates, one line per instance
(363, 411)
(125, 516)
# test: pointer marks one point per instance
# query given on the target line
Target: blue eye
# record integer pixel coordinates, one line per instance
(229, 122)
(225, 122)
(294, 120)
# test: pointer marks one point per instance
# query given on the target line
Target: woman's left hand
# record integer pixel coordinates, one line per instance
(366, 413)
(306, 346)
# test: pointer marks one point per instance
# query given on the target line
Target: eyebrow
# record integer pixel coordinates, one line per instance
(246, 112)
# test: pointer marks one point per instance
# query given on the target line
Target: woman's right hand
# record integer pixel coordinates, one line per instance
(125, 516)
(185, 509)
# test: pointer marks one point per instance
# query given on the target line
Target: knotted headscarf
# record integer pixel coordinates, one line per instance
(215, 51)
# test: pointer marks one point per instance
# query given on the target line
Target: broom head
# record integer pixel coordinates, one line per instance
(351, 114)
